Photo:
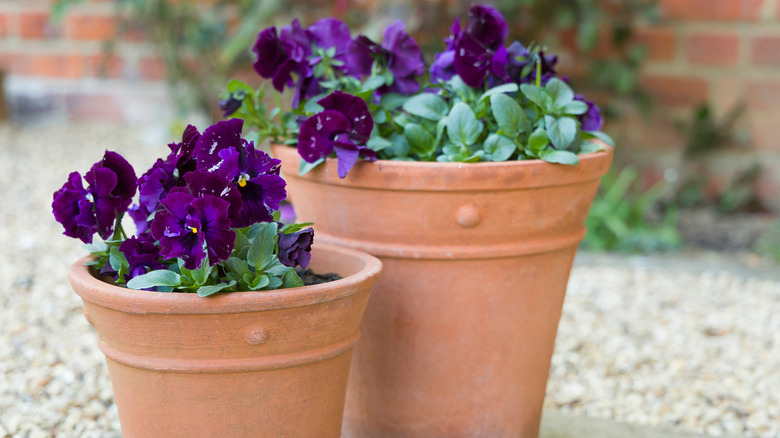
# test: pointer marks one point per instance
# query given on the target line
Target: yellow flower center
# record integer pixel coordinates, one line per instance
(242, 180)
(194, 230)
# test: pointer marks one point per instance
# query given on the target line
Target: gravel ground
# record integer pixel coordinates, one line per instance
(656, 341)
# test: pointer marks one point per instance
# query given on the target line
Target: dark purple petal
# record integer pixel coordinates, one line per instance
(330, 32)
(405, 86)
(358, 57)
(215, 138)
(472, 61)
(591, 120)
(286, 213)
(102, 182)
(261, 197)
(347, 158)
(487, 26)
(126, 184)
(269, 53)
(140, 217)
(258, 162)
(314, 137)
(211, 213)
(154, 185)
(142, 255)
(232, 103)
(295, 248)
(67, 206)
(297, 42)
(355, 110)
(443, 67)
(201, 183)
(406, 59)
(177, 204)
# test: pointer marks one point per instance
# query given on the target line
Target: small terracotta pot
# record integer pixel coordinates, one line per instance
(459, 332)
(243, 364)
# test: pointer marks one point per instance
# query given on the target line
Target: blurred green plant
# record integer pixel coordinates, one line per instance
(620, 218)
(199, 42)
(768, 245)
(706, 135)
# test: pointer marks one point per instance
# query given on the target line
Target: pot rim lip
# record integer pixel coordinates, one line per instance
(126, 300)
(426, 176)
(584, 158)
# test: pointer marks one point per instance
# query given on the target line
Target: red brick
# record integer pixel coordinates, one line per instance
(152, 69)
(661, 43)
(676, 90)
(712, 10)
(90, 27)
(4, 25)
(764, 134)
(763, 94)
(713, 49)
(765, 51)
(35, 25)
(103, 65)
(49, 65)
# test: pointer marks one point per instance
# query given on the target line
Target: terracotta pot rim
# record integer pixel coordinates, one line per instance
(435, 176)
(176, 303)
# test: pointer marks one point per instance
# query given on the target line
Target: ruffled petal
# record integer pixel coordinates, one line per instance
(355, 110)
(314, 137)
(219, 136)
(203, 183)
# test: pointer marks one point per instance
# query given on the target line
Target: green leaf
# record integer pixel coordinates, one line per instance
(537, 95)
(261, 251)
(400, 147)
(291, 279)
(161, 277)
(600, 135)
(562, 131)
(561, 157)
(205, 291)
(426, 105)
(117, 259)
(378, 143)
(537, 141)
(305, 167)
(274, 283)
(560, 92)
(499, 147)
(420, 140)
(391, 101)
(240, 242)
(294, 228)
(588, 147)
(509, 115)
(276, 268)
(201, 274)
(575, 108)
(238, 266)
(372, 83)
(96, 247)
(235, 85)
(463, 128)
(501, 89)
(259, 282)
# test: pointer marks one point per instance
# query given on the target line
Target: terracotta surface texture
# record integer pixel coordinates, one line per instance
(459, 332)
(243, 364)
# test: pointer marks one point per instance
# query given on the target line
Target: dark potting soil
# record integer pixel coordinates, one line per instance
(309, 277)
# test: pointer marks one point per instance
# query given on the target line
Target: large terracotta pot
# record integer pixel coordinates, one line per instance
(459, 332)
(243, 364)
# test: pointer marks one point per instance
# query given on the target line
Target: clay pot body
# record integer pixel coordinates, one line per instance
(244, 364)
(459, 332)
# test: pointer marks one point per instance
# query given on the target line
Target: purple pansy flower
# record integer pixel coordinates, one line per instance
(398, 51)
(591, 120)
(187, 224)
(344, 127)
(142, 255)
(163, 176)
(83, 212)
(470, 51)
(253, 173)
(232, 103)
(295, 248)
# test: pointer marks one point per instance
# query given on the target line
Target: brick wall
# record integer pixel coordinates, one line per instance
(61, 70)
(723, 52)
(717, 51)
